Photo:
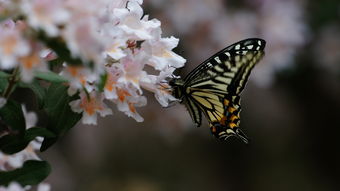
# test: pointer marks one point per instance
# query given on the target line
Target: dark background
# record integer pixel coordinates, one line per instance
(291, 109)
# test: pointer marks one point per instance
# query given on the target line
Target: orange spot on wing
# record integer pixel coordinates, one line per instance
(223, 120)
(233, 117)
(232, 125)
(226, 102)
(231, 109)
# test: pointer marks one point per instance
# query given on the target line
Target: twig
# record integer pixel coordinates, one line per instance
(11, 82)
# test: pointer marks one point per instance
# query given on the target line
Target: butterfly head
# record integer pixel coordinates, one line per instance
(177, 87)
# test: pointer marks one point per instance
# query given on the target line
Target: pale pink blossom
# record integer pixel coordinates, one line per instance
(14, 186)
(90, 105)
(116, 49)
(3, 101)
(161, 51)
(31, 62)
(127, 103)
(79, 77)
(107, 36)
(12, 45)
(110, 89)
(47, 15)
(44, 187)
(84, 40)
(132, 66)
(160, 87)
(132, 25)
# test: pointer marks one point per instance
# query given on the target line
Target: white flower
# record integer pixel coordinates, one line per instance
(12, 45)
(45, 14)
(13, 186)
(90, 105)
(162, 54)
(127, 104)
(108, 36)
(84, 40)
(30, 63)
(17, 160)
(132, 66)
(79, 77)
(115, 50)
(158, 85)
(130, 22)
(31, 118)
(44, 187)
(3, 101)
(113, 74)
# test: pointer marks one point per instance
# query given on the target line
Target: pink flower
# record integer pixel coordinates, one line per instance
(132, 69)
(90, 105)
(161, 51)
(79, 77)
(12, 45)
(110, 89)
(130, 22)
(127, 103)
(47, 15)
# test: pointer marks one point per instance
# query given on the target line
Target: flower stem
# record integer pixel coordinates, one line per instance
(11, 82)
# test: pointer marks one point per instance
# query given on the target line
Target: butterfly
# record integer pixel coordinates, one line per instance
(214, 87)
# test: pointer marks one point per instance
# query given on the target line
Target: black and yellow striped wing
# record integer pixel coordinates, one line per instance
(214, 87)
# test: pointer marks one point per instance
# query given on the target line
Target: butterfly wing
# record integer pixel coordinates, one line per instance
(214, 86)
(194, 110)
(228, 70)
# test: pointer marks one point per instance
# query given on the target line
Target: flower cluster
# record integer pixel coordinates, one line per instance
(115, 43)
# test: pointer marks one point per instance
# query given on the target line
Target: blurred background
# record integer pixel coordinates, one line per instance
(291, 109)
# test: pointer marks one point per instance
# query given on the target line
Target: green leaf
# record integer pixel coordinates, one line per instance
(31, 173)
(60, 116)
(55, 63)
(13, 116)
(34, 132)
(47, 143)
(11, 144)
(50, 76)
(4, 74)
(3, 84)
(38, 90)
(102, 82)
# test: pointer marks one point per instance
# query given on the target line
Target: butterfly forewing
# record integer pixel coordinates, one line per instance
(223, 68)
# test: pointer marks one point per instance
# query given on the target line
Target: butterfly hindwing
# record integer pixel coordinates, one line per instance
(194, 111)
